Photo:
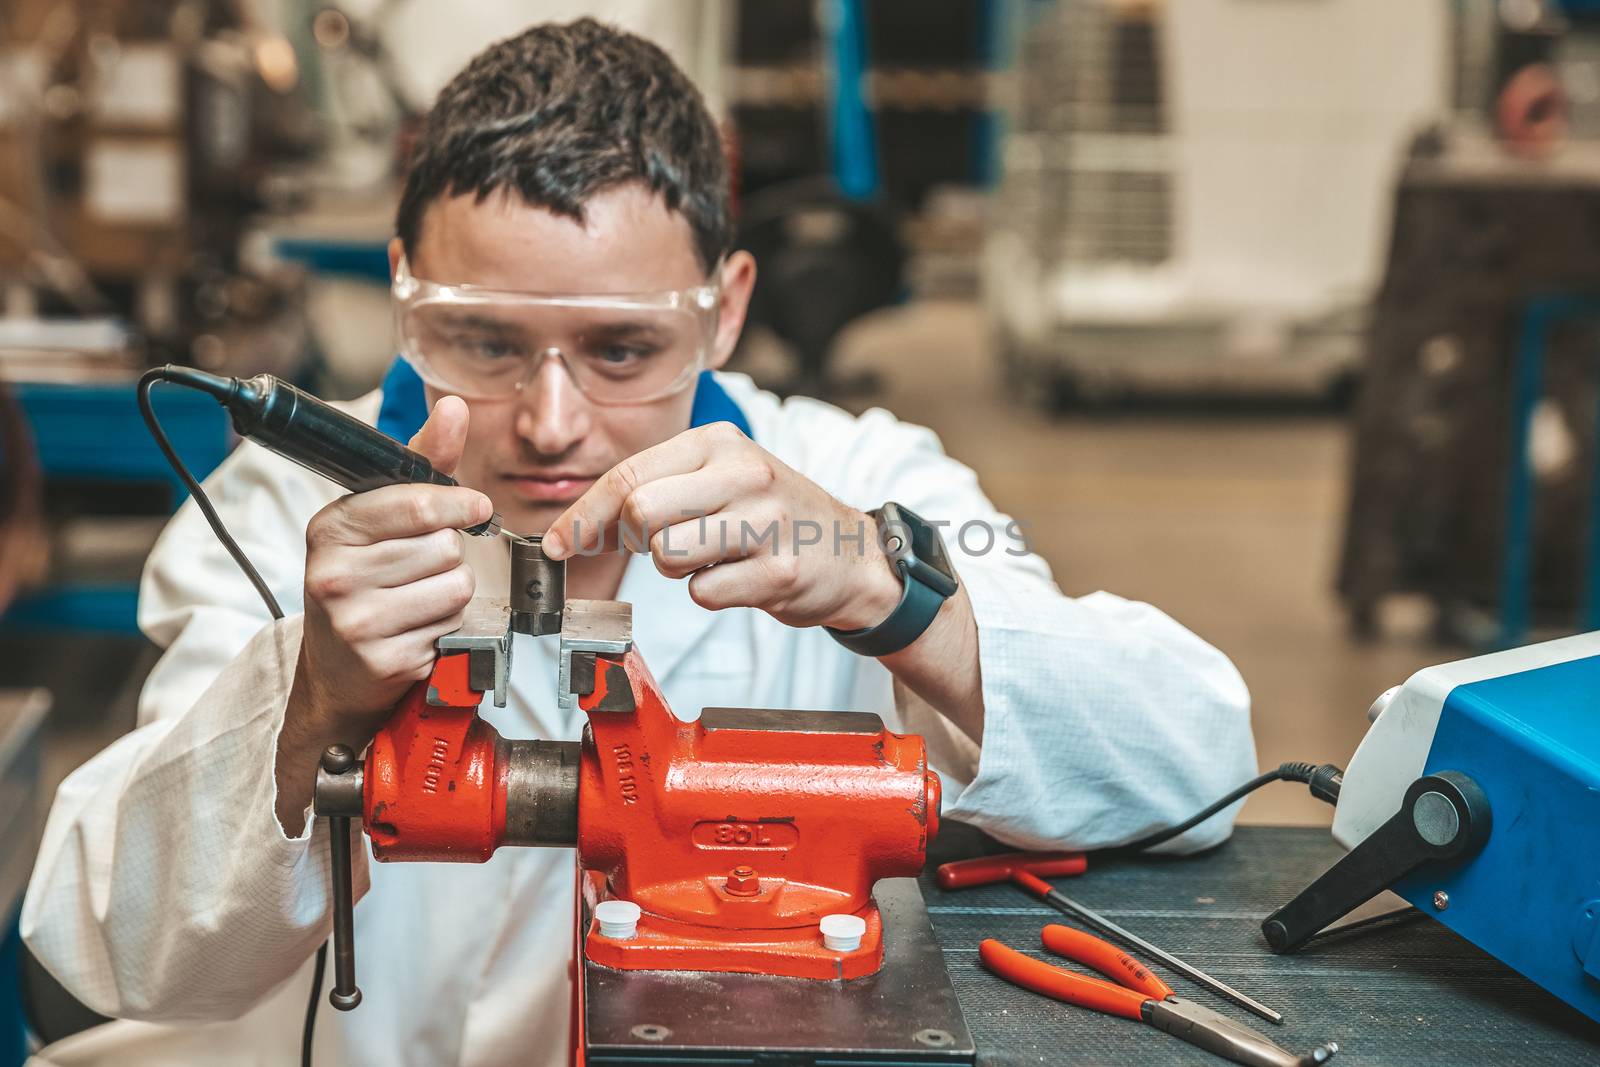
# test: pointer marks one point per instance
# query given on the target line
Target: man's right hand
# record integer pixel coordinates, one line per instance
(385, 579)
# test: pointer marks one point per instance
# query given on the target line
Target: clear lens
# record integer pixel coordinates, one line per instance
(615, 353)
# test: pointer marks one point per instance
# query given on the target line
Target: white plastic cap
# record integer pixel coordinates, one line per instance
(618, 919)
(1381, 705)
(843, 933)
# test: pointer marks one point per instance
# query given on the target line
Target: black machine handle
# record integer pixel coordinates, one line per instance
(338, 781)
(1444, 816)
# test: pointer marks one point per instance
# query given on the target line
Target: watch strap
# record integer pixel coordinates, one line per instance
(919, 604)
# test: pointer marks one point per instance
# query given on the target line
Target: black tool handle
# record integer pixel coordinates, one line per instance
(320, 437)
(314, 434)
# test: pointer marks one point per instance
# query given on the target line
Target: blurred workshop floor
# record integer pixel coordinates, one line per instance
(1231, 523)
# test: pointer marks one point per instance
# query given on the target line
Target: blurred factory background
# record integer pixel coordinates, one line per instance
(1281, 316)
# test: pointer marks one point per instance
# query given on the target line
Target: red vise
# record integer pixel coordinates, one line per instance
(734, 834)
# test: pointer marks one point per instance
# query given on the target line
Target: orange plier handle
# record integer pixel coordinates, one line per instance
(1134, 984)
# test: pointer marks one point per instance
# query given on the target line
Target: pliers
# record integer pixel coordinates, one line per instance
(1137, 994)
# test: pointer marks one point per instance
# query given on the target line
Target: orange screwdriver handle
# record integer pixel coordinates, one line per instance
(1105, 958)
(1029, 973)
(982, 870)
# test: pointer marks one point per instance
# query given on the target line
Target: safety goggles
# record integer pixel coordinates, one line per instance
(488, 344)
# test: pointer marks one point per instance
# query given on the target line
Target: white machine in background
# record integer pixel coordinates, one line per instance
(1196, 196)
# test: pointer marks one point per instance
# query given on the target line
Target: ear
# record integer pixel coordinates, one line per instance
(738, 281)
(397, 249)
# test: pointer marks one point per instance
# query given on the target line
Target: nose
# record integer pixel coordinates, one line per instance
(554, 415)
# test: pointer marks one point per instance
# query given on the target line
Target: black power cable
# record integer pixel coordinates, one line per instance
(1324, 781)
(175, 375)
(164, 374)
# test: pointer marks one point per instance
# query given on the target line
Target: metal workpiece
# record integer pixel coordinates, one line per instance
(541, 793)
(485, 635)
(538, 588)
(1215, 1032)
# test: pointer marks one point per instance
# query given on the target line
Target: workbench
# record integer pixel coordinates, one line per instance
(1412, 994)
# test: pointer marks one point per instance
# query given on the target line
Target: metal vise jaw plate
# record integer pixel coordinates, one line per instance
(590, 626)
(485, 634)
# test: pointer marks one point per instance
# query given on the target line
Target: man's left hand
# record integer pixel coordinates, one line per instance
(746, 529)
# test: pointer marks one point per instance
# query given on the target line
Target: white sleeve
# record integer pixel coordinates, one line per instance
(1104, 719)
(165, 888)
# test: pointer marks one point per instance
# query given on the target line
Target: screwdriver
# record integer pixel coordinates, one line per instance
(315, 434)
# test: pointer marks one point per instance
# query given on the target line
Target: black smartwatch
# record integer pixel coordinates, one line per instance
(917, 553)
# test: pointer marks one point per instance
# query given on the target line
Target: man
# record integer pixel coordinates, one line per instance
(564, 280)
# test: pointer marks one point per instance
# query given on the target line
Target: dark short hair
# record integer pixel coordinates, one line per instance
(559, 113)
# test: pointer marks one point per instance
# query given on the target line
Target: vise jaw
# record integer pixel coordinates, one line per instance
(485, 638)
(589, 628)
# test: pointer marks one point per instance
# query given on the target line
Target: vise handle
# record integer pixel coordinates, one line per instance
(338, 796)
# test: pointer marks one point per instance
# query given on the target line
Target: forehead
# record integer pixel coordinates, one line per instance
(628, 242)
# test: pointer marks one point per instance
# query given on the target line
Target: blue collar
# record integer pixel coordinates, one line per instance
(405, 405)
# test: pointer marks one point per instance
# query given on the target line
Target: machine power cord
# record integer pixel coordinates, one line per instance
(1324, 780)
(176, 376)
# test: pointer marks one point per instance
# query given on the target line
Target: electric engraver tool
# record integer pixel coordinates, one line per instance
(313, 433)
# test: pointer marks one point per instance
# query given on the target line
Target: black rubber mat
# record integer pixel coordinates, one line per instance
(1410, 994)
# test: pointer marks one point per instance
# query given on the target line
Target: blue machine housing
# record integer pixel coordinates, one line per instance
(1531, 898)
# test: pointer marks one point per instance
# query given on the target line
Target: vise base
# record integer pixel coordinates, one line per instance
(904, 1013)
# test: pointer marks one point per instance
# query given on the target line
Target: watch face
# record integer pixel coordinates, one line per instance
(927, 560)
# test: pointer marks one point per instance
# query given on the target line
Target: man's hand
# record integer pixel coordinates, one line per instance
(385, 578)
(749, 531)
(745, 529)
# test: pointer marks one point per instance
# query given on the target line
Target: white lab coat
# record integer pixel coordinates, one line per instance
(166, 891)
